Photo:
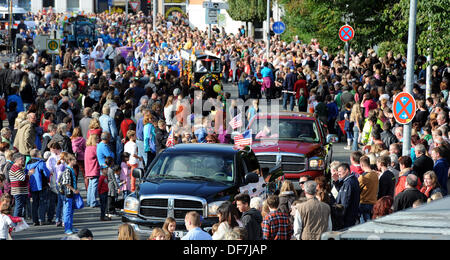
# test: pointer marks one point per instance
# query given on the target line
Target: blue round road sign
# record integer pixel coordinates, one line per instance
(404, 108)
(278, 27)
(346, 33)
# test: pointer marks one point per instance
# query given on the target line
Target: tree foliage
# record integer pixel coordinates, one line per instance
(432, 27)
(322, 19)
(247, 10)
(382, 23)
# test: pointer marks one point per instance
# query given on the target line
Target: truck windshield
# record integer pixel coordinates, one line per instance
(287, 129)
(194, 166)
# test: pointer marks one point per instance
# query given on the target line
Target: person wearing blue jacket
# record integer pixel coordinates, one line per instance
(441, 167)
(14, 97)
(104, 149)
(348, 186)
(39, 185)
(149, 138)
(243, 86)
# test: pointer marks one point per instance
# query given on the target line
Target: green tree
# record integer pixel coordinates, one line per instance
(432, 28)
(322, 19)
(247, 10)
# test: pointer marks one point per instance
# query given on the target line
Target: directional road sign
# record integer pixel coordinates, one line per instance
(404, 108)
(278, 27)
(346, 33)
(213, 5)
(212, 16)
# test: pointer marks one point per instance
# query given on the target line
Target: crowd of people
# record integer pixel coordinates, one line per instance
(101, 113)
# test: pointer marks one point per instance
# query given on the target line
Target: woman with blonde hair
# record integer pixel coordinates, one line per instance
(61, 166)
(287, 196)
(126, 232)
(94, 128)
(357, 118)
(78, 147)
(91, 170)
(169, 112)
(158, 234)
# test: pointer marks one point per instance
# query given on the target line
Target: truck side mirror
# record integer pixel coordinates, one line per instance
(332, 138)
(251, 177)
(138, 173)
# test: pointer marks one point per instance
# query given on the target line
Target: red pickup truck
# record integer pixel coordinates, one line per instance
(297, 141)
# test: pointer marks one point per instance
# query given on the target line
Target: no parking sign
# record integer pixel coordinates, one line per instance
(346, 33)
(404, 108)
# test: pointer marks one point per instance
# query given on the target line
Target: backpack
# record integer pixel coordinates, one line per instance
(59, 186)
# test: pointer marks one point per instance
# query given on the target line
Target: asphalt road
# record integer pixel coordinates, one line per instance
(107, 230)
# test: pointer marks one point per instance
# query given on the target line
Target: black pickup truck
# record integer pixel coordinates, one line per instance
(190, 177)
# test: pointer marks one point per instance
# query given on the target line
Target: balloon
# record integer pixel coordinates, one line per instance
(217, 88)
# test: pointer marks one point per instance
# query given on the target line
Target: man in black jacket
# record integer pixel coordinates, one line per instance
(411, 194)
(349, 194)
(251, 218)
(288, 89)
(386, 179)
(5, 79)
(422, 163)
(387, 136)
(161, 136)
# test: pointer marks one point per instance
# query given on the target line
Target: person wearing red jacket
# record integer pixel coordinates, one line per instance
(355, 167)
(405, 163)
(301, 84)
(103, 193)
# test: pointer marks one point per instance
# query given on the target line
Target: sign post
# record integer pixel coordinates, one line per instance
(346, 33)
(212, 13)
(410, 70)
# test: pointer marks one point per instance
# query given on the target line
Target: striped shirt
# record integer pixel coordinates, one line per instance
(19, 181)
(277, 226)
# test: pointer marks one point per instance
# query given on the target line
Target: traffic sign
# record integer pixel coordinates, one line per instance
(52, 46)
(212, 16)
(404, 108)
(278, 27)
(346, 33)
(212, 5)
(135, 5)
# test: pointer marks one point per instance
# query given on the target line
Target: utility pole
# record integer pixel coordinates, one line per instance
(347, 47)
(126, 10)
(11, 21)
(428, 75)
(155, 6)
(268, 29)
(209, 29)
(410, 71)
(429, 58)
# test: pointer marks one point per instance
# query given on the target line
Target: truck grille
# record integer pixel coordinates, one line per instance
(290, 163)
(159, 208)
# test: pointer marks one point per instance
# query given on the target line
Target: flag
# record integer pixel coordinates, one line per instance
(170, 140)
(243, 139)
(236, 121)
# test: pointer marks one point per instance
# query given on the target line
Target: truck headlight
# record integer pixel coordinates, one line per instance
(316, 163)
(131, 205)
(212, 208)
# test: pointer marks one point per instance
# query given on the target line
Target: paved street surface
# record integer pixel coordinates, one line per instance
(107, 230)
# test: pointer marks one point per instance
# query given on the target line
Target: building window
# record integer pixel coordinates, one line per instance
(73, 5)
(48, 3)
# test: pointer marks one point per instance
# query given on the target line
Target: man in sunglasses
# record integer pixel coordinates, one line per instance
(301, 183)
